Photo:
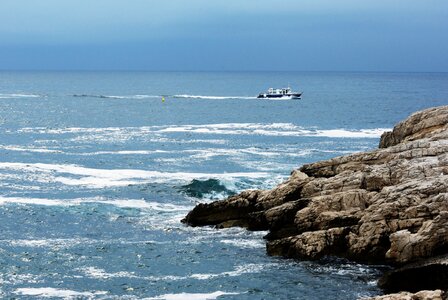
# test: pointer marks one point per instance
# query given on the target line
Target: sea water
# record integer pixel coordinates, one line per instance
(98, 168)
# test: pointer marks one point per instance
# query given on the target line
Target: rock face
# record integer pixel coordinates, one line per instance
(430, 273)
(386, 205)
(422, 295)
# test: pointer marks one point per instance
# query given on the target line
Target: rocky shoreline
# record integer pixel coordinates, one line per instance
(389, 205)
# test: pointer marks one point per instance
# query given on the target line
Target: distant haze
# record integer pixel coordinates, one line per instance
(224, 35)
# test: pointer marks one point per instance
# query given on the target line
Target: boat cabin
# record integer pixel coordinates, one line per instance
(283, 91)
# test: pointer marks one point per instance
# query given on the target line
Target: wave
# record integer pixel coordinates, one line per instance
(48, 292)
(245, 243)
(74, 175)
(190, 154)
(263, 129)
(102, 274)
(125, 152)
(30, 149)
(19, 96)
(121, 203)
(343, 133)
(192, 296)
(186, 96)
(47, 242)
(209, 188)
(273, 129)
(72, 242)
(238, 271)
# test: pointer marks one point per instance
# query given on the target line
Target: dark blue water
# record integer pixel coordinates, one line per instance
(96, 171)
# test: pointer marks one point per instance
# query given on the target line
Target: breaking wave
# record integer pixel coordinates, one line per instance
(264, 129)
(192, 296)
(209, 188)
(49, 292)
(120, 203)
(274, 129)
(75, 175)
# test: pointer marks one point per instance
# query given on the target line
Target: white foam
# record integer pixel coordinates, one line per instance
(239, 270)
(30, 149)
(98, 273)
(18, 96)
(142, 204)
(51, 243)
(245, 243)
(275, 152)
(48, 292)
(84, 130)
(113, 135)
(275, 129)
(102, 274)
(45, 130)
(362, 133)
(136, 97)
(75, 175)
(186, 96)
(122, 203)
(72, 242)
(192, 296)
(34, 201)
(269, 129)
(126, 152)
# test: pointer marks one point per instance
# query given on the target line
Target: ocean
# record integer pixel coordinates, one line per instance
(98, 168)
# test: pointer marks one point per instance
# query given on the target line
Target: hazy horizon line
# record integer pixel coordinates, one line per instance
(213, 71)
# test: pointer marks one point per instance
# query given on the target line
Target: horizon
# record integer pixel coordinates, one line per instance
(224, 36)
(214, 71)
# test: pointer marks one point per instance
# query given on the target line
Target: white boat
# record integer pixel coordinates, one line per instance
(284, 93)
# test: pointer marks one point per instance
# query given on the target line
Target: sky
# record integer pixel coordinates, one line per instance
(225, 35)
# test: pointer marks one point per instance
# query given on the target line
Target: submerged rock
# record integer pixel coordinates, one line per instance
(386, 205)
(198, 188)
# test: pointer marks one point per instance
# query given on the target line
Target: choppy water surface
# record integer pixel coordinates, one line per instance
(96, 172)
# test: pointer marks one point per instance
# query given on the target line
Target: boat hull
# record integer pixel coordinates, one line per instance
(280, 96)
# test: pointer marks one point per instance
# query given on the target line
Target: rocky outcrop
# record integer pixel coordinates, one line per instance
(386, 205)
(422, 295)
(417, 126)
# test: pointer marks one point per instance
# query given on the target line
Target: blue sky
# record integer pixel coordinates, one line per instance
(244, 35)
